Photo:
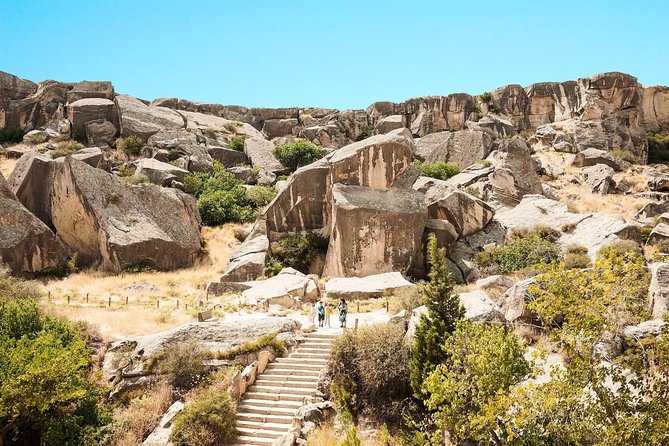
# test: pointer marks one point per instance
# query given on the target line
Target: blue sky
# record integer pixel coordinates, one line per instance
(341, 54)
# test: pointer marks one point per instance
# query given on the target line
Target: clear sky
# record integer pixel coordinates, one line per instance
(341, 54)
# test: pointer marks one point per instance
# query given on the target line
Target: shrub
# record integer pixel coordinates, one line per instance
(267, 341)
(443, 311)
(484, 163)
(493, 108)
(526, 249)
(621, 248)
(134, 180)
(66, 148)
(219, 206)
(658, 148)
(299, 250)
(124, 171)
(237, 143)
(10, 135)
(183, 364)
(260, 196)
(367, 131)
(296, 154)
(130, 145)
(370, 371)
(482, 361)
(486, 97)
(273, 267)
(207, 421)
(439, 170)
(217, 179)
(35, 139)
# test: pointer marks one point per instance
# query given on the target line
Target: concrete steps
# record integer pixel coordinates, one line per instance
(267, 409)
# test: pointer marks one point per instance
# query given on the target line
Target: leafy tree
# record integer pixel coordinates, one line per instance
(297, 154)
(443, 312)
(482, 361)
(299, 250)
(439, 169)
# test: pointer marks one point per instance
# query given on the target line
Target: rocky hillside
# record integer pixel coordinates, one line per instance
(364, 196)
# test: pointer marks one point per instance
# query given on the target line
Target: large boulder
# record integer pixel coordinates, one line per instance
(91, 89)
(101, 132)
(479, 307)
(137, 118)
(374, 231)
(117, 226)
(172, 138)
(598, 178)
(658, 291)
(469, 176)
(464, 147)
(227, 157)
(248, 263)
(31, 181)
(369, 287)
(655, 105)
(389, 124)
(465, 212)
(513, 303)
(377, 161)
(592, 157)
(496, 126)
(27, 246)
(514, 175)
(92, 109)
(158, 172)
(289, 289)
(659, 234)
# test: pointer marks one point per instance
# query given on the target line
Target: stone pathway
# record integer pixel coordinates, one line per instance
(268, 407)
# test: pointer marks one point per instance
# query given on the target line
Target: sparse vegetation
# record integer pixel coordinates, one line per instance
(658, 148)
(576, 257)
(65, 148)
(367, 131)
(297, 154)
(207, 420)
(486, 97)
(183, 364)
(626, 155)
(439, 169)
(130, 145)
(268, 341)
(136, 179)
(237, 143)
(526, 249)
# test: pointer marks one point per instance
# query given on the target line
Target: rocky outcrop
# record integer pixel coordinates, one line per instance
(27, 246)
(31, 181)
(158, 172)
(463, 148)
(655, 104)
(514, 175)
(81, 112)
(374, 231)
(101, 132)
(137, 118)
(369, 287)
(658, 291)
(592, 157)
(390, 123)
(118, 226)
(659, 234)
(91, 89)
(289, 289)
(248, 263)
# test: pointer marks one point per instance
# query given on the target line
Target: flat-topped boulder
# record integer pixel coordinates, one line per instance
(158, 172)
(374, 231)
(592, 157)
(117, 226)
(368, 287)
(464, 147)
(91, 109)
(389, 123)
(27, 246)
(289, 288)
(137, 118)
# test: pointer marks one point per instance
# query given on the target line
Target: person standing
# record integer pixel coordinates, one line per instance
(312, 313)
(343, 311)
(321, 313)
(328, 311)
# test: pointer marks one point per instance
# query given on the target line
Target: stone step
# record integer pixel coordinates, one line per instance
(321, 337)
(312, 363)
(316, 343)
(313, 349)
(287, 383)
(278, 396)
(306, 375)
(263, 418)
(259, 441)
(310, 355)
(280, 404)
(264, 425)
(279, 411)
(263, 433)
(297, 366)
(291, 390)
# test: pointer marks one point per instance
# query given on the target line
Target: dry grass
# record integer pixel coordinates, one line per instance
(327, 435)
(7, 165)
(133, 423)
(141, 316)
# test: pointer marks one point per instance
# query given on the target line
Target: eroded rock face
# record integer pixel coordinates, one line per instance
(655, 103)
(160, 173)
(598, 179)
(463, 148)
(31, 181)
(389, 124)
(374, 231)
(91, 89)
(118, 226)
(369, 287)
(592, 157)
(248, 263)
(658, 290)
(137, 118)
(27, 246)
(515, 175)
(91, 109)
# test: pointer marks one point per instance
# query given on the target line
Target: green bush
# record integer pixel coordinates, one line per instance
(299, 250)
(183, 364)
(207, 421)
(658, 148)
(486, 97)
(367, 131)
(273, 267)
(237, 143)
(79, 135)
(296, 154)
(526, 249)
(130, 145)
(493, 108)
(370, 371)
(219, 206)
(10, 135)
(66, 148)
(260, 196)
(439, 170)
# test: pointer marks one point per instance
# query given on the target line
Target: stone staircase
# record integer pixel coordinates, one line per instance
(267, 409)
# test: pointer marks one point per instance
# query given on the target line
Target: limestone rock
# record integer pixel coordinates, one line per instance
(248, 263)
(286, 289)
(90, 155)
(513, 303)
(471, 175)
(246, 174)
(374, 231)
(259, 152)
(598, 178)
(275, 128)
(118, 226)
(227, 157)
(158, 172)
(655, 104)
(646, 329)
(496, 126)
(658, 290)
(137, 118)
(161, 434)
(369, 287)
(88, 89)
(31, 181)
(92, 109)
(463, 148)
(198, 158)
(465, 212)
(658, 234)
(27, 245)
(479, 307)
(495, 282)
(592, 157)
(514, 176)
(101, 132)
(389, 124)
(170, 139)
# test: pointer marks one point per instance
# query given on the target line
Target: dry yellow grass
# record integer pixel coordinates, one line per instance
(7, 165)
(579, 199)
(141, 316)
